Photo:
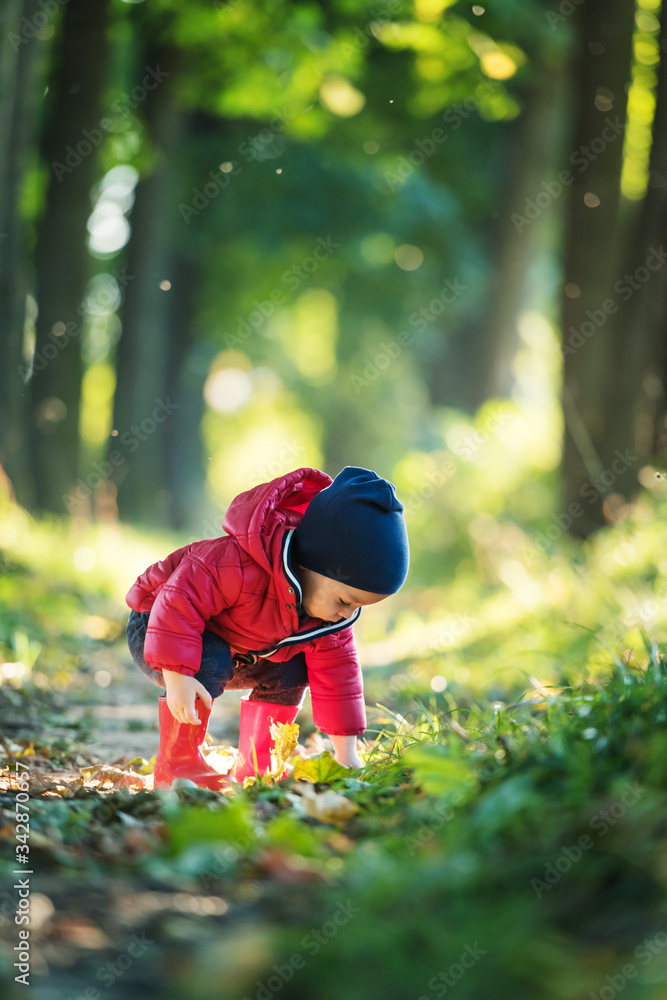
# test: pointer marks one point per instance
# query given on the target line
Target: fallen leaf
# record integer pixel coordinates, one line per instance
(285, 867)
(140, 840)
(113, 775)
(328, 806)
(222, 762)
(285, 737)
(323, 768)
(80, 931)
(339, 842)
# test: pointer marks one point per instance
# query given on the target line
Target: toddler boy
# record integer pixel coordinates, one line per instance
(269, 606)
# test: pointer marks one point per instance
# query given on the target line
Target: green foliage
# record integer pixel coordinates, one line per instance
(194, 824)
(517, 812)
(440, 774)
(322, 768)
(314, 113)
(525, 836)
(506, 836)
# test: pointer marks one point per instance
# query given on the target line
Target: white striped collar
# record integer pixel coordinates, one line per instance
(312, 633)
(289, 572)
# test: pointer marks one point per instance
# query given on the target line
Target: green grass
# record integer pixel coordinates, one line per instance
(509, 838)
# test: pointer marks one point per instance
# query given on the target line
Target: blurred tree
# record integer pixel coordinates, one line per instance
(612, 348)
(538, 135)
(325, 118)
(641, 372)
(142, 405)
(22, 67)
(189, 357)
(73, 131)
(500, 150)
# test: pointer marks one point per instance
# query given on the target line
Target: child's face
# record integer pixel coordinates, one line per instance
(331, 600)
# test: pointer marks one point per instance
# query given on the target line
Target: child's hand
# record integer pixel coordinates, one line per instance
(345, 751)
(350, 760)
(181, 693)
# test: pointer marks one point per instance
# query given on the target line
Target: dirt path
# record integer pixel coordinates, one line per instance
(126, 715)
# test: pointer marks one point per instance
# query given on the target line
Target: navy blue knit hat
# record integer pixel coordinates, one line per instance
(354, 531)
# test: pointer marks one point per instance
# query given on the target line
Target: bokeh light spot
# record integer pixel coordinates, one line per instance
(339, 96)
(227, 390)
(498, 65)
(378, 248)
(408, 257)
(84, 559)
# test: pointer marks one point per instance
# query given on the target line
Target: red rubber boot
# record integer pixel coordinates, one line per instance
(255, 734)
(179, 754)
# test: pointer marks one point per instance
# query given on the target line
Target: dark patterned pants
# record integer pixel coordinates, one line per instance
(276, 683)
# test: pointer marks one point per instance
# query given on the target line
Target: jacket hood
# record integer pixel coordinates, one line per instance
(257, 517)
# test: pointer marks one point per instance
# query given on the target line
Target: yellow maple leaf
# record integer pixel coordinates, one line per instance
(285, 736)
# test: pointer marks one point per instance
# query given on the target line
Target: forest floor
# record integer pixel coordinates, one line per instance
(506, 837)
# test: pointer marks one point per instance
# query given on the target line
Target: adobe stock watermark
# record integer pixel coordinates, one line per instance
(22, 884)
(62, 334)
(457, 626)
(565, 9)
(363, 37)
(580, 158)
(434, 479)
(284, 460)
(223, 6)
(427, 145)
(131, 440)
(30, 28)
(440, 984)
(469, 444)
(465, 447)
(419, 320)
(123, 106)
(276, 467)
(645, 953)
(603, 821)
(646, 612)
(253, 147)
(424, 834)
(92, 138)
(313, 942)
(624, 288)
(595, 488)
(292, 279)
(115, 969)
(224, 860)
(209, 191)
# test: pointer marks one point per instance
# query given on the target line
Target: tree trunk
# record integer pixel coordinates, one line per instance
(62, 262)
(642, 348)
(22, 69)
(185, 470)
(477, 362)
(533, 178)
(593, 257)
(142, 408)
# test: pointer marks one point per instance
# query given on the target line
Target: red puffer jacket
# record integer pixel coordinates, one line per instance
(242, 587)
